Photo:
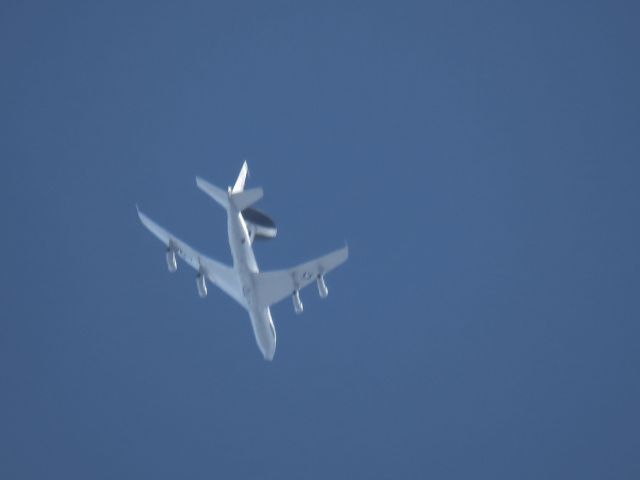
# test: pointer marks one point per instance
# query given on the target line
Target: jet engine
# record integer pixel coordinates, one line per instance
(172, 265)
(322, 287)
(297, 303)
(201, 283)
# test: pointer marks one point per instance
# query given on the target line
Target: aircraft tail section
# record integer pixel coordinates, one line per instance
(242, 178)
(246, 198)
(219, 195)
(236, 196)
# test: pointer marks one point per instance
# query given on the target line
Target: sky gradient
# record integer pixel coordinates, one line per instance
(481, 161)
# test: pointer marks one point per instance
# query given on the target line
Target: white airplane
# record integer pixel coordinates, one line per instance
(254, 290)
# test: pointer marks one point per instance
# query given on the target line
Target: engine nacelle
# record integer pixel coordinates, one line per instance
(297, 303)
(322, 287)
(172, 265)
(201, 283)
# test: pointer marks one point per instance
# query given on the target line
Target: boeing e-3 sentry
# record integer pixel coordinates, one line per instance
(254, 290)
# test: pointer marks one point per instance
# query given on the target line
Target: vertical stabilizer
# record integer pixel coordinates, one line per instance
(242, 178)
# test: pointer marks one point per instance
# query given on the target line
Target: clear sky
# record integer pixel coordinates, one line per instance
(481, 160)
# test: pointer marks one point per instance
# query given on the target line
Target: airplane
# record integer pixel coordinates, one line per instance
(254, 290)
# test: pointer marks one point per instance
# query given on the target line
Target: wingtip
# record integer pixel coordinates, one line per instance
(345, 249)
(141, 216)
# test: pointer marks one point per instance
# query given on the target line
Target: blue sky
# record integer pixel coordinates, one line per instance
(481, 160)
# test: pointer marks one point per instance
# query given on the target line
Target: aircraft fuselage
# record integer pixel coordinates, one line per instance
(245, 265)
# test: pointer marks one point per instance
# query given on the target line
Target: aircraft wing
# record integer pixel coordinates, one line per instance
(277, 285)
(217, 273)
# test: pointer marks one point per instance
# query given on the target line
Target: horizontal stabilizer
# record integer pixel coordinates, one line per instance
(246, 198)
(214, 192)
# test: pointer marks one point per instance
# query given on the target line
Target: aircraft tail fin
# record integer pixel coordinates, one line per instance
(219, 195)
(236, 196)
(242, 178)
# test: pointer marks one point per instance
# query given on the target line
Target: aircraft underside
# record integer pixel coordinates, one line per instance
(254, 290)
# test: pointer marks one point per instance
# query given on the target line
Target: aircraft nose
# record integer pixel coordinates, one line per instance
(269, 354)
